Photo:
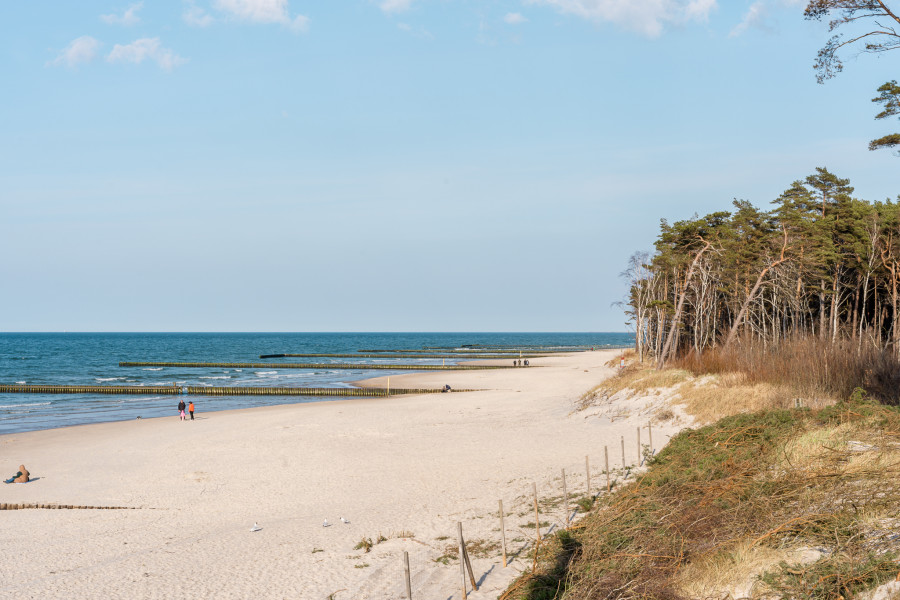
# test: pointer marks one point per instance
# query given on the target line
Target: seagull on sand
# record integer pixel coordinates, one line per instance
(325, 523)
(255, 527)
(345, 521)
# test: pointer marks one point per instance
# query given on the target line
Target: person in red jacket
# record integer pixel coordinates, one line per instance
(191, 409)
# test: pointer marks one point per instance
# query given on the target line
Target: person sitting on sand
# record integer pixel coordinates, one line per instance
(20, 477)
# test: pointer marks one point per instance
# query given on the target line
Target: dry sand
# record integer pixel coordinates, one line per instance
(406, 468)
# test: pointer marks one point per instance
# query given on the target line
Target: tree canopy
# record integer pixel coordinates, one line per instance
(820, 262)
(890, 98)
(874, 25)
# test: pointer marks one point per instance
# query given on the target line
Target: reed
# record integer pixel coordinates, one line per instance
(809, 367)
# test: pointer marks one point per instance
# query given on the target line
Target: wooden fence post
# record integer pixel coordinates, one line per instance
(464, 557)
(623, 454)
(503, 533)
(639, 445)
(587, 470)
(462, 563)
(537, 519)
(406, 571)
(606, 464)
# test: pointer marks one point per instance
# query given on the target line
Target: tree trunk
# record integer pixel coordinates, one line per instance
(667, 348)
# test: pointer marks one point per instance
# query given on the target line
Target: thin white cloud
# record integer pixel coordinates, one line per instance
(395, 6)
(699, 10)
(264, 11)
(128, 17)
(195, 16)
(649, 17)
(755, 17)
(145, 49)
(417, 32)
(80, 50)
(514, 18)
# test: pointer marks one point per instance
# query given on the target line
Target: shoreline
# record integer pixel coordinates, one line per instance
(403, 468)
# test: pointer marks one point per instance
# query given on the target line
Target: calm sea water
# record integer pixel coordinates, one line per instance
(92, 359)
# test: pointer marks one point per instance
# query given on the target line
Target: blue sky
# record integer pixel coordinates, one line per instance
(393, 165)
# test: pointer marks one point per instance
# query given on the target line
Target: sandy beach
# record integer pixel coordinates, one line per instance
(405, 469)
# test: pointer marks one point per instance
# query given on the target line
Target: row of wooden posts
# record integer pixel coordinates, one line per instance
(27, 505)
(465, 564)
(405, 355)
(312, 366)
(170, 390)
(463, 352)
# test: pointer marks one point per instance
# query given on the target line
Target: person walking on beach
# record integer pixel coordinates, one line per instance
(191, 409)
(181, 408)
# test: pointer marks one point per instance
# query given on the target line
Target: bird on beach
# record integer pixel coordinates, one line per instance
(345, 521)
(325, 523)
(255, 527)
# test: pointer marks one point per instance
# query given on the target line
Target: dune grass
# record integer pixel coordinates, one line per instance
(778, 503)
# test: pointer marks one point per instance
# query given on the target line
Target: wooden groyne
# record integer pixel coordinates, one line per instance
(471, 356)
(174, 390)
(523, 351)
(314, 366)
(22, 506)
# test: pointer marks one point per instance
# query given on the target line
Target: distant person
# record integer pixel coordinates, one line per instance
(22, 476)
(181, 408)
(446, 388)
(526, 362)
(514, 362)
(191, 409)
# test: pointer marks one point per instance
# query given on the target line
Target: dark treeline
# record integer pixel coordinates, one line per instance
(820, 264)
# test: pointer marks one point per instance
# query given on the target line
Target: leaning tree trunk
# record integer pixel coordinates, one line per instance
(743, 312)
(676, 318)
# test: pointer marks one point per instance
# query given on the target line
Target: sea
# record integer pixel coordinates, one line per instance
(93, 359)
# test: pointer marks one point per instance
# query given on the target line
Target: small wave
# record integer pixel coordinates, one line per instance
(153, 369)
(238, 370)
(24, 405)
(265, 373)
(108, 378)
(215, 377)
(20, 383)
